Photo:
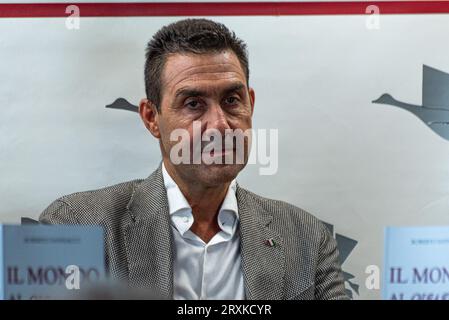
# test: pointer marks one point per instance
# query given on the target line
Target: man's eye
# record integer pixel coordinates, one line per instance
(231, 101)
(193, 104)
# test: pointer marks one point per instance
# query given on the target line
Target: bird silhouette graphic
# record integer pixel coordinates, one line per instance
(123, 104)
(434, 111)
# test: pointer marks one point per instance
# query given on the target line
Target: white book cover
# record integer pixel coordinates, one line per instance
(416, 263)
(49, 262)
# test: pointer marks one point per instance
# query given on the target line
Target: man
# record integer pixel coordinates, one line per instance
(189, 231)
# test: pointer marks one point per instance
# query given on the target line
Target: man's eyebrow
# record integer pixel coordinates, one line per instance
(191, 92)
(234, 87)
(186, 92)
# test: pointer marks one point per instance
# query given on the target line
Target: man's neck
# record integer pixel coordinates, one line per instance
(205, 202)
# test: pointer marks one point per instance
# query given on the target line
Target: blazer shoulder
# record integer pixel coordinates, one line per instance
(90, 207)
(284, 211)
(311, 251)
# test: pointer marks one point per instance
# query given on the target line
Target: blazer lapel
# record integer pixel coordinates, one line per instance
(263, 258)
(148, 238)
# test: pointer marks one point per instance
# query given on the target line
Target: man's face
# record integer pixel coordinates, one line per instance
(211, 90)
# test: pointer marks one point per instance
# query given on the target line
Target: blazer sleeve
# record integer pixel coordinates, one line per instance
(329, 282)
(58, 212)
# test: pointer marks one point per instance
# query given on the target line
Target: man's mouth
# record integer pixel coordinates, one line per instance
(219, 153)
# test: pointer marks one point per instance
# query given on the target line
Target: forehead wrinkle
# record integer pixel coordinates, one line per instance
(211, 64)
(226, 88)
(188, 70)
(233, 75)
(183, 74)
(226, 57)
(211, 89)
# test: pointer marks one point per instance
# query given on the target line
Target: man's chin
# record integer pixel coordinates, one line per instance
(216, 174)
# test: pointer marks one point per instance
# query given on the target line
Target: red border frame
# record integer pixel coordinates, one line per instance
(53, 10)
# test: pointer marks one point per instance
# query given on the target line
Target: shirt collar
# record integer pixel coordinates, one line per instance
(176, 200)
(181, 212)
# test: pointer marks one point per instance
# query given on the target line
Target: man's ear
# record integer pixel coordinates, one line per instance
(252, 98)
(150, 117)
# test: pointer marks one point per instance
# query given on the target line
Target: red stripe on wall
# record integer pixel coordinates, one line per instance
(23, 10)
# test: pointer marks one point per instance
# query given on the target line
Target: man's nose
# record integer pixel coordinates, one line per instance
(215, 118)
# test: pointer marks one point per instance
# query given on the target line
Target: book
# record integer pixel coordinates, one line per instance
(49, 261)
(416, 263)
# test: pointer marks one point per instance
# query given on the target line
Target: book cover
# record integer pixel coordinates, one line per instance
(49, 262)
(416, 263)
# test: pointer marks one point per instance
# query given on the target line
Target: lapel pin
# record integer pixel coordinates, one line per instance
(270, 242)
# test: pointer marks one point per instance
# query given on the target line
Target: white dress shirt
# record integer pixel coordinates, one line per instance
(205, 270)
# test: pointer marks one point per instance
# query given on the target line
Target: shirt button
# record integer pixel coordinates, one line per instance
(186, 219)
